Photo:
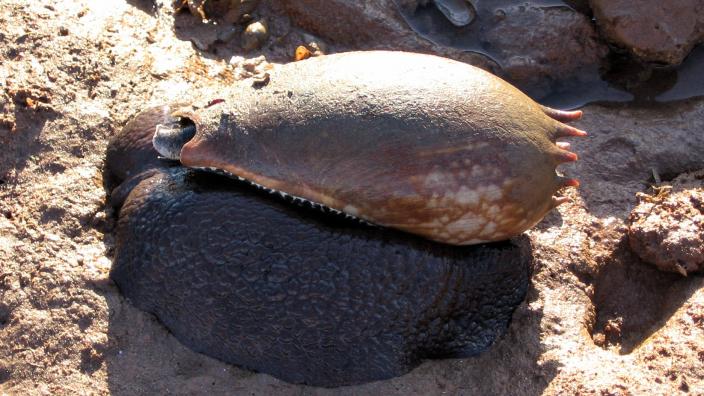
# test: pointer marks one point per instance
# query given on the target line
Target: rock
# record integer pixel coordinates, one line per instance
(346, 22)
(227, 34)
(230, 11)
(536, 46)
(667, 229)
(652, 30)
(302, 53)
(255, 68)
(254, 36)
(580, 6)
(533, 45)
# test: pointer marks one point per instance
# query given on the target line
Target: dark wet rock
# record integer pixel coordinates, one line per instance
(534, 46)
(354, 25)
(652, 30)
(580, 6)
(537, 46)
(348, 22)
(231, 11)
(255, 35)
(667, 229)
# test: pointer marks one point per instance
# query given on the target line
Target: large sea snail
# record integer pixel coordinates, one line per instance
(308, 296)
(416, 142)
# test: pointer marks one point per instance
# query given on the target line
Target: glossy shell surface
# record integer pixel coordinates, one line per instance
(415, 142)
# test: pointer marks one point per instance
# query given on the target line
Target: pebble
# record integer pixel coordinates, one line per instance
(255, 35)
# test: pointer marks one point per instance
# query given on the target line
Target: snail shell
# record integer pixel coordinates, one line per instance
(416, 142)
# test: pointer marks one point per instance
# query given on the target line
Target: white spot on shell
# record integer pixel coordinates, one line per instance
(489, 228)
(434, 178)
(493, 211)
(493, 193)
(468, 224)
(466, 196)
(477, 171)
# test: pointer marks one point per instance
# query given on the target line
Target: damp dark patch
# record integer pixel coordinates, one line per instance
(5, 374)
(91, 361)
(591, 87)
(633, 300)
(55, 168)
(653, 83)
(688, 79)
(5, 312)
(428, 21)
(52, 214)
(624, 79)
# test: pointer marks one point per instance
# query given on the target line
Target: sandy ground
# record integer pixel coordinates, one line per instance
(596, 320)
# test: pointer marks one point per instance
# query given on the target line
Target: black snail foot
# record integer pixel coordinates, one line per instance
(253, 279)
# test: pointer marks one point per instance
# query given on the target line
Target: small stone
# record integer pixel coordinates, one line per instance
(255, 35)
(63, 31)
(652, 30)
(302, 53)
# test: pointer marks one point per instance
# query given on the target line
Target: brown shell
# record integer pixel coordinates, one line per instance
(416, 142)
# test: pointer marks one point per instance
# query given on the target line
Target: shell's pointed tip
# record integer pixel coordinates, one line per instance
(566, 130)
(557, 201)
(563, 156)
